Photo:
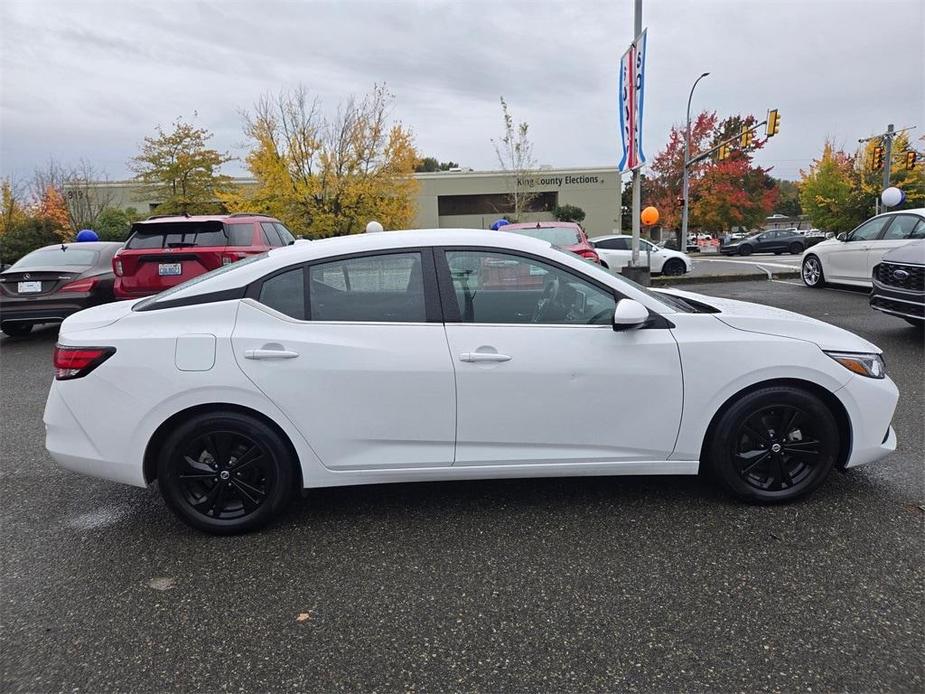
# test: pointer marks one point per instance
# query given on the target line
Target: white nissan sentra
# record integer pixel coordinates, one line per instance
(439, 355)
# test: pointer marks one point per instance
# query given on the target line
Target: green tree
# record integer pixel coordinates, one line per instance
(181, 170)
(788, 200)
(26, 235)
(831, 193)
(569, 213)
(114, 224)
(431, 164)
(911, 182)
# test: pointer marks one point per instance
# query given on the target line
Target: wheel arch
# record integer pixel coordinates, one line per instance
(149, 465)
(828, 397)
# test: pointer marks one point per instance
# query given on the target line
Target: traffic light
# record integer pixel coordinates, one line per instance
(878, 158)
(747, 137)
(773, 123)
(910, 160)
(723, 152)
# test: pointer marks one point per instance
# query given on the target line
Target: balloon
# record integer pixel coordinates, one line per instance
(87, 235)
(374, 227)
(649, 216)
(892, 196)
(498, 223)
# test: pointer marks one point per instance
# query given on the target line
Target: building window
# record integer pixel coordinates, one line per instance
(492, 203)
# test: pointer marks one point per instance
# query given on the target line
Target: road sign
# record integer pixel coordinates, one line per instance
(632, 90)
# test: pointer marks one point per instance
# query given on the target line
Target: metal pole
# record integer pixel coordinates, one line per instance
(687, 163)
(637, 172)
(887, 158)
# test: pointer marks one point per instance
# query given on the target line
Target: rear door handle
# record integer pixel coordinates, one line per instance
(483, 356)
(269, 354)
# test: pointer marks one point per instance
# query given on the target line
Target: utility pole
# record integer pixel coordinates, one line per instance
(685, 176)
(887, 152)
(637, 172)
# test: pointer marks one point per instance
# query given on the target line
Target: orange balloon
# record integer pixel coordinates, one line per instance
(649, 216)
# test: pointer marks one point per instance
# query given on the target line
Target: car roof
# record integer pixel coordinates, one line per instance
(615, 236)
(239, 217)
(540, 225)
(89, 245)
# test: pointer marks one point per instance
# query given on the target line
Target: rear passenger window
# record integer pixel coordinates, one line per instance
(902, 227)
(270, 234)
(284, 234)
(377, 288)
(285, 293)
(240, 234)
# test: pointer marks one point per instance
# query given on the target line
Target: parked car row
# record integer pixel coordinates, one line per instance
(51, 283)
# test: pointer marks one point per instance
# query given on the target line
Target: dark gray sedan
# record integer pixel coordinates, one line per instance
(51, 283)
(899, 283)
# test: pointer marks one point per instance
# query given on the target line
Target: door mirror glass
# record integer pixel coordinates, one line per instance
(629, 314)
(842, 236)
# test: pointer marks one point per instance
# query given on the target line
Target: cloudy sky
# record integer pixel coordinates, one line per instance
(90, 79)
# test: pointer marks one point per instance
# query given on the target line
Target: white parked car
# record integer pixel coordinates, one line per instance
(439, 355)
(850, 258)
(616, 250)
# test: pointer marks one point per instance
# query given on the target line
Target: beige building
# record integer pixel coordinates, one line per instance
(474, 199)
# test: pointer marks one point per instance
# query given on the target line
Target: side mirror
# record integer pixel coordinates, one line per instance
(842, 236)
(629, 315)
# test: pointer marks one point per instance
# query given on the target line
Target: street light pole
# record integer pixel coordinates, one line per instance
(685, 175)
(637, 172)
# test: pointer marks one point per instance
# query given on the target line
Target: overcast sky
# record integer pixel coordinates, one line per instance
(91, 79)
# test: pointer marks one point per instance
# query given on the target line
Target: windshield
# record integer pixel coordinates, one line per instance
(167, 293)
(557, 236)
(55, 257)
(177, 235)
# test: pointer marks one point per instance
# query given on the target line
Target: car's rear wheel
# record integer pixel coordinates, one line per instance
(225, 472)
(796, 248)
(745, 250)
(774, 444)
(811, 272)
(16, 329)
(674, 266)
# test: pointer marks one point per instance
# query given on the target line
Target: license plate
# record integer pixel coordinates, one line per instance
(30, 287)
(169, 269)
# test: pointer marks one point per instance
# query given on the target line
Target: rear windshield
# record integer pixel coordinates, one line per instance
(56, 257)
(557, 236)
(193, 233)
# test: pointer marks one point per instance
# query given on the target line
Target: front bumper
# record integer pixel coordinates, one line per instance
(897, 302)
(870, 404)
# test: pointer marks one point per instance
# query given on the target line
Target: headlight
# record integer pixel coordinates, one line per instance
(870, 365)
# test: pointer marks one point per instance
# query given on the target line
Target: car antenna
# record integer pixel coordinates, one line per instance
(538, 225)
(63, 247)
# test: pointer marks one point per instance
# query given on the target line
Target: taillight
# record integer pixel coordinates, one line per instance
(117, 267)
(590, 255)
(76, 362)
(84, 285)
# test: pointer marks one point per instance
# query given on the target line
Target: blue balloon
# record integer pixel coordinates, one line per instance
(87, 235)
(498, 223)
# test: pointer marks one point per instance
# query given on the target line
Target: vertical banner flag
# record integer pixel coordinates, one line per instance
(632, 89)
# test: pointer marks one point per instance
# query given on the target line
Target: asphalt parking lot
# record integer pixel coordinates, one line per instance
(618, 584)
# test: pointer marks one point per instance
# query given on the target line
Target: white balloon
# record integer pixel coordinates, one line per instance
(374, 227)
(892, 196)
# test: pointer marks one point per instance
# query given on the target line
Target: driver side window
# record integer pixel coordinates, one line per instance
(869, 230)
(494, 287)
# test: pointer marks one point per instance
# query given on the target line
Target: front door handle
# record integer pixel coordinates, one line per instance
(270, 354)
(483, 356)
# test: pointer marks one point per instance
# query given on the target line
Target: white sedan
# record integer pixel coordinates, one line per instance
(616, 250)
(454, 354)
(850, 258)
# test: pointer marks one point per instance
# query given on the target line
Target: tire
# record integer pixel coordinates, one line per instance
(230, 460)
(796, 248)
(674, 267)
(753, 461)
(16, 329)
(778, 252)
(745, 250)
(811, 272)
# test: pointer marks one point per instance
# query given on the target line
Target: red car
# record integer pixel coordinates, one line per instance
(567, 235)
(163, 251)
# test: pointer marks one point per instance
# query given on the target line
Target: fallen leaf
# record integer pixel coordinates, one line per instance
(162, 583)
(303, 616)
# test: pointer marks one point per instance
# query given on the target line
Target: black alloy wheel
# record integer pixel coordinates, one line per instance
(674, 266)
(774, 444)
(796, 248)
(16, 329)
(745, 250)
(225, 473)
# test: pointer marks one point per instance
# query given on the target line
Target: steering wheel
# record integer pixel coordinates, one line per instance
(546, 302)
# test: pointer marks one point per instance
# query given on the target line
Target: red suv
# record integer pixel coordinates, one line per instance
(567, 235)
(165, 250)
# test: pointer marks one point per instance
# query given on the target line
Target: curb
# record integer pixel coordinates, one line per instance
(705, 279)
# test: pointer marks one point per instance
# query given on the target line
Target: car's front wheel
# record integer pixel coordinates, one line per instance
(16, 329)
(774, 444)
(811, 272)
(225, 472)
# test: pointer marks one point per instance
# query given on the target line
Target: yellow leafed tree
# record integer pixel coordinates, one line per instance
(910, 181)
(328, 176)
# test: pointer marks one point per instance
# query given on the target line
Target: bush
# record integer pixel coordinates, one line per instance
(114, 224)
(25, 237)
(569, 213)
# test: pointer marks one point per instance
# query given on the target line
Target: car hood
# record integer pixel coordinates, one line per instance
(912, 253)
(768, 320)
(97, 316)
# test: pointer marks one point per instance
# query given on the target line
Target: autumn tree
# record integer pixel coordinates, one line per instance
(788, 200)
(328, 176)
(830, 191)
(870, 180)
(13, 206)
(733, 193)
(515, 155)
(180, 169)
(82, 188)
